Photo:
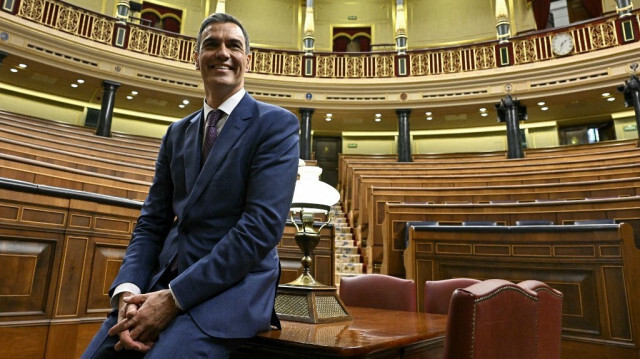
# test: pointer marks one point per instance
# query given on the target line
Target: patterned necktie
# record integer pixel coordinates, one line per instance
(211, 133)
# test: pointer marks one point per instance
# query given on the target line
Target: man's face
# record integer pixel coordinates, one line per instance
(222, 60)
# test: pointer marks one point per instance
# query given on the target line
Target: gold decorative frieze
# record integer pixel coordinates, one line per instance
(451, 61)
(262, 62)
(31, 9)
(600, 33)
(525, 51)
(420, 64)
(325, 66)
(292, 65)
(102, 31)
(384, 66)
(353, 66)
(484, 57)
(68, 20)
(603, 35)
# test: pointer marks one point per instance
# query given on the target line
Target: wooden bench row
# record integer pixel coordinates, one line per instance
(42, 173)
(379, 196)
(557, 177)
(76, 160)
(556, 153)
(397, 215)
(351, 190)
(596, 267)
(36, 125)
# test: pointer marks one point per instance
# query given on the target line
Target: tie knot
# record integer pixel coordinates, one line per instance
(213, 117)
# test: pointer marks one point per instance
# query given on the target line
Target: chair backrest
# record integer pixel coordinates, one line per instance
(437, 293)
(492, 319)
(378, 291)
(549, 318)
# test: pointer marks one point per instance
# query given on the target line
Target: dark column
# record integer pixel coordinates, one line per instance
(305, 133)
(510, 111)
(2, 56)
(106, 111)
(631, 90)
(404, 141)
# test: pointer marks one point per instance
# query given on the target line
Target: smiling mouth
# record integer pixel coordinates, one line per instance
(220, 67)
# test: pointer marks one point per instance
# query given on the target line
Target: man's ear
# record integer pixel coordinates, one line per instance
(195, 56)
(248, 59)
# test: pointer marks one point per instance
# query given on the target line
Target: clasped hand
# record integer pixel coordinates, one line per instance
(141, 318)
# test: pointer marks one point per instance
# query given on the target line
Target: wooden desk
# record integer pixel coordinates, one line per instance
(372, 333)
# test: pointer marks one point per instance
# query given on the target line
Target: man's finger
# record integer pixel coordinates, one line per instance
(120, 327)
(135, 299)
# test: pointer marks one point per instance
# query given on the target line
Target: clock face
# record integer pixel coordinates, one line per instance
(562, 44)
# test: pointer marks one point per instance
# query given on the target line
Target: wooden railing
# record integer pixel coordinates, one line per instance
(594, 35)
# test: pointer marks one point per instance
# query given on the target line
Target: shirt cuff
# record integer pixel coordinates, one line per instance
(175, 299)
(124, 287)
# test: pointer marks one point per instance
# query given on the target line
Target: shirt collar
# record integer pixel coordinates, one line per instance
(228, 105)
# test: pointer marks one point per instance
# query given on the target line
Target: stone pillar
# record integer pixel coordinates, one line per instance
(2, 56)
(123, 9)
(305, 133)
(510, 111)
(404, 139)
(631, 90)
(309, 29)
(401, 28)
(106, 111)
(503, 26)
(624, 7)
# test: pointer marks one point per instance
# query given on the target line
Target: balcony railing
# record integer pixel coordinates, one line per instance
(594, 35)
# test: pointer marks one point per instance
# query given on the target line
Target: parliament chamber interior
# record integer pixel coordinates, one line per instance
(485, 152)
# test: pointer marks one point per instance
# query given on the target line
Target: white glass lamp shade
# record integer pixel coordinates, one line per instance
(311, 194)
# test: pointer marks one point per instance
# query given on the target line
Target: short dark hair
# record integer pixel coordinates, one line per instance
(221, 18)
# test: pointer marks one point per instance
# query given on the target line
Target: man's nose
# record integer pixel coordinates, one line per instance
(222, 52)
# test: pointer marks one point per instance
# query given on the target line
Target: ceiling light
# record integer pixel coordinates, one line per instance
(482, 109)
(74, 85)
(611, 99)
(134, 93)
(129, 97)
(14, 70)
(484, 114)
(377, 119)
(22, 66)
(378, 115)
(428, 113)
(606, 94)
(429, 118)
(544, 108)
(328, 119)
(186, 102)
(541, 103)
(181, 105)
(80, 81)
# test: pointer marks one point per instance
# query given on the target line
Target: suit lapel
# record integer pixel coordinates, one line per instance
(193, 151)
(235, 125)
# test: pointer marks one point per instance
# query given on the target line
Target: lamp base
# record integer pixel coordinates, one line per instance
(318, 304)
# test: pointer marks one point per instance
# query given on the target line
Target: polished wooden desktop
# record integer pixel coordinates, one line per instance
(372, 333)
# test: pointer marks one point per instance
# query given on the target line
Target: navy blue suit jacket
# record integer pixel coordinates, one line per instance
(220, 223)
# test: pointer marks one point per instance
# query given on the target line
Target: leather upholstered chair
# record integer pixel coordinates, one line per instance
(549, 318)
(437, 293)
(492, 319)
(378, 291)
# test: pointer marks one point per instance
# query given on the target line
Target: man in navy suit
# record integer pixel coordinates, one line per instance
(201, 271)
